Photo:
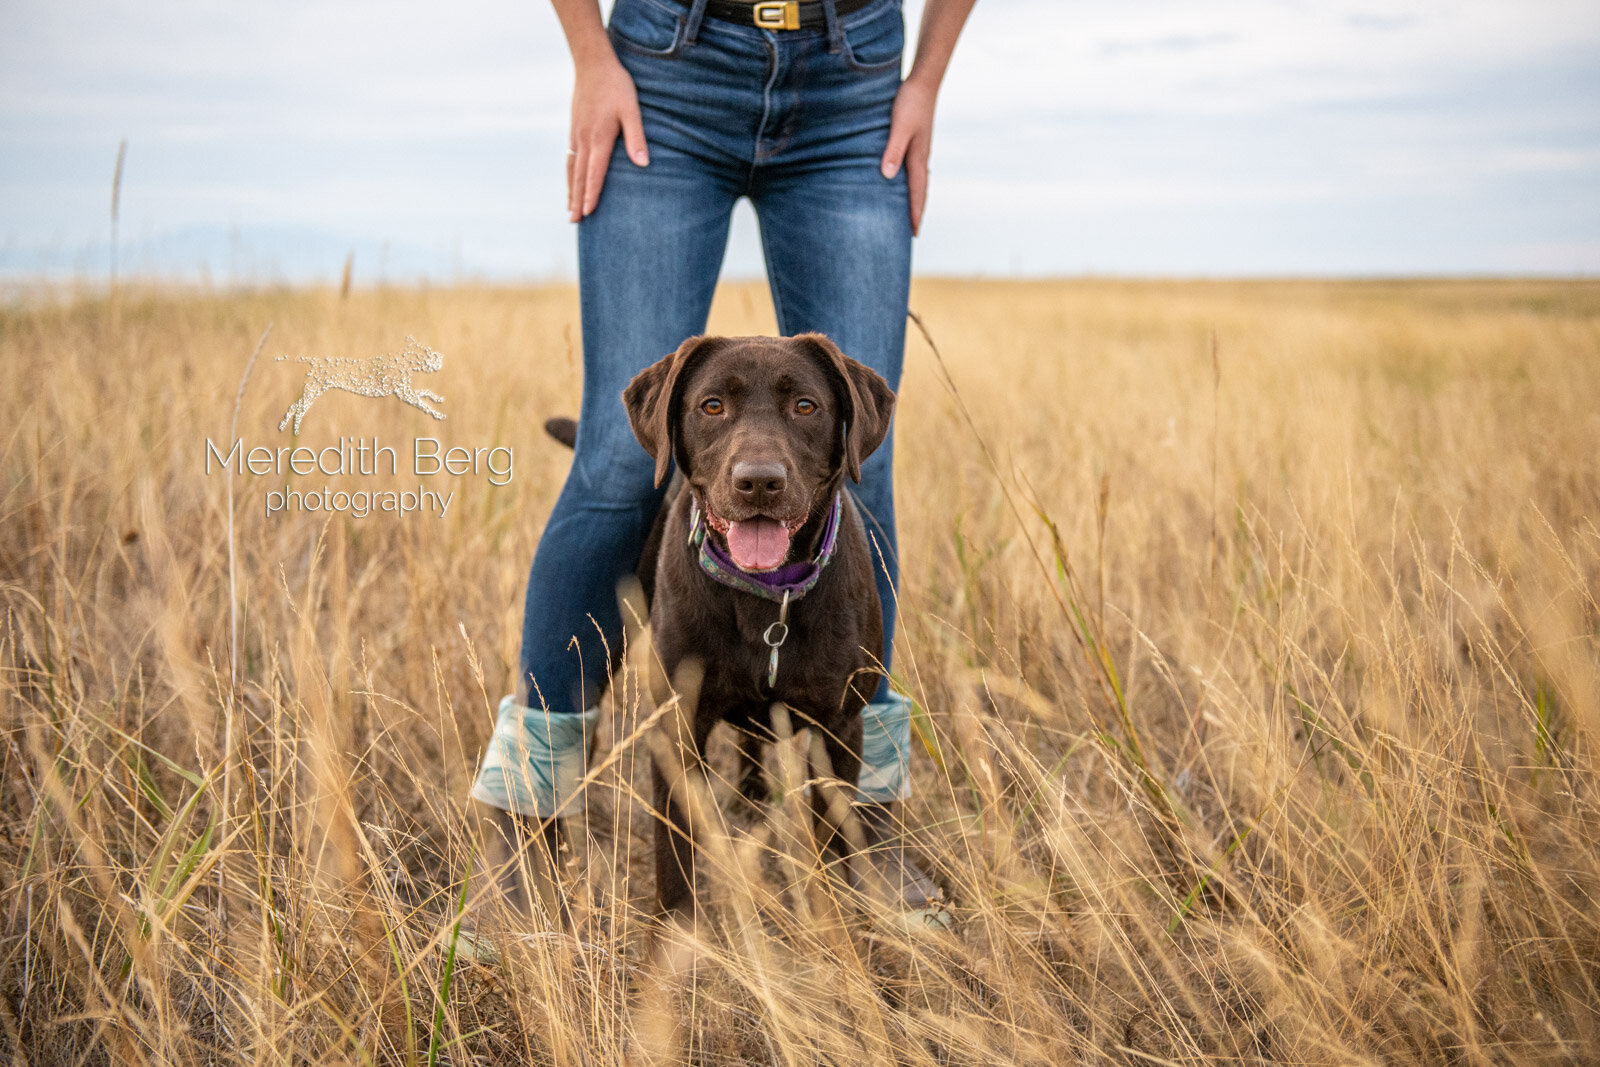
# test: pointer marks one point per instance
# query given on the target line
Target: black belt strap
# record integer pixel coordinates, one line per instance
(777, 14)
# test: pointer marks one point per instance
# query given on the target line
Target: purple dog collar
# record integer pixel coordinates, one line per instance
(792, 580)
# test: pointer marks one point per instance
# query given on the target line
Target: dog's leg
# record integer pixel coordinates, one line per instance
(837, 756)
(674, 852)
(680, 791)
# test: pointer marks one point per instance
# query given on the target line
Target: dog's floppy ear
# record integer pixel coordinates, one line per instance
(651, 400)
(868, 400)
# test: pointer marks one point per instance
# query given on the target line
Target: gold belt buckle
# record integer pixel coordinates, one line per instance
(777, 15)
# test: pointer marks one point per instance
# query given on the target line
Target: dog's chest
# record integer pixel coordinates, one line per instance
(733, 635)
(755, 629)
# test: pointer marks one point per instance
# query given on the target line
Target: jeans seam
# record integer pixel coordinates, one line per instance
(766, 111)
(691, 29)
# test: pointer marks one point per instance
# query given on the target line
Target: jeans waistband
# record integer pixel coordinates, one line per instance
(777, 14)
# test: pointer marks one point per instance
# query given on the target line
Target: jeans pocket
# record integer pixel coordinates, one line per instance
(875, 44)
(647, 27)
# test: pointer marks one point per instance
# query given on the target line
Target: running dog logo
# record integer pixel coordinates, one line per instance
(378, 376)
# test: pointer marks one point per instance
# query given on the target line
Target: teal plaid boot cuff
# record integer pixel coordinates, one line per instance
(535, 759)
(885, 751)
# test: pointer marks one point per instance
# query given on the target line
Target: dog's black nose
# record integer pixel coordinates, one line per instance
(758, 483)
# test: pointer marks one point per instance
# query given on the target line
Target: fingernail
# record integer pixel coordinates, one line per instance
(890, 169)
(642, 158)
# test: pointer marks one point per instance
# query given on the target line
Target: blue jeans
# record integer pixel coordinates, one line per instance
(797, 121)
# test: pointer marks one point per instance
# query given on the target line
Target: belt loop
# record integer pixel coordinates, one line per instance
(691, 29)
(830, 15)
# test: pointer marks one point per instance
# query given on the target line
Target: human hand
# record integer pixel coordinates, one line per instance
(604, 101)
(911, 140)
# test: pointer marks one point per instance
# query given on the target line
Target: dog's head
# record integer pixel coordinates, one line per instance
(763, 428)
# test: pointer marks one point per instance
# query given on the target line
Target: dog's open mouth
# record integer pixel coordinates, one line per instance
(759, 543)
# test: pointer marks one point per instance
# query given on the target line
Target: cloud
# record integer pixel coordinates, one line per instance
(1126, 135)
(1363, 21)
(1554, 257)
(1181, 42)
(1245, 56)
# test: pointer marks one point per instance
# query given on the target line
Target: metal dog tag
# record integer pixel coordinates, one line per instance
(775, 635)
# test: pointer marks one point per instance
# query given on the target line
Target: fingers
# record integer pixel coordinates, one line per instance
(900, 133)
(598, 158)
(586, 173)
(580, 167)
(908, 146)
(572, 186)
(917, 184)
(594, 135)
(633, 135)
(594, 163)
(910, 137)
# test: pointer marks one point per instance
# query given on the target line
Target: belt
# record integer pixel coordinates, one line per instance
(777, 14)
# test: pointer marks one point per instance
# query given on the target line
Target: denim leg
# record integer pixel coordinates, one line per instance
(648, 259)
(838, 251)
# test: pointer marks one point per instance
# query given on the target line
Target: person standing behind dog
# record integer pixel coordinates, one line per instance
(680, 108)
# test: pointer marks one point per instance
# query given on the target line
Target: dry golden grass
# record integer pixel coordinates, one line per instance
(1262, 697)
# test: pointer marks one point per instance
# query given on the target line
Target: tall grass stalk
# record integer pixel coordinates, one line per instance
(116, 211)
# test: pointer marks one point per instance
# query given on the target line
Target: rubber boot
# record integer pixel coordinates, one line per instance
(904, 884)
(884, 781)
(529, 779)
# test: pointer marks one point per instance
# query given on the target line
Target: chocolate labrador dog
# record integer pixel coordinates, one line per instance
(759, 567)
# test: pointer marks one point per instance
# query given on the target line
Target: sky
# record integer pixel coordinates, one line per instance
(1074, 137)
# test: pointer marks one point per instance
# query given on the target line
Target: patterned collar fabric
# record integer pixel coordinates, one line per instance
(793, 579)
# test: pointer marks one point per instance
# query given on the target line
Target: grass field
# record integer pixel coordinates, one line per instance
(1254, 626)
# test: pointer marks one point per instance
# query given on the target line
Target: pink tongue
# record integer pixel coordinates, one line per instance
(758, 544)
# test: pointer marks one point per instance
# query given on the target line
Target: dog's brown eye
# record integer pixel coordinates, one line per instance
(805, 407)
(712, 406)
